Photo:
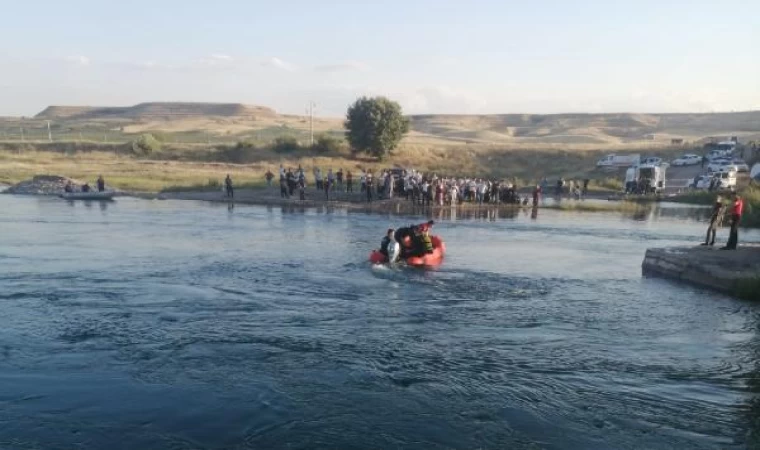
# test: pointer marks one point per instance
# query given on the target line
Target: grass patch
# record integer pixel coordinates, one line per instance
(621, 206)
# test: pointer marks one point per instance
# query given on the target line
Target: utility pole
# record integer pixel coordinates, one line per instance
(50, 135)
(22, 134)
(312, 105)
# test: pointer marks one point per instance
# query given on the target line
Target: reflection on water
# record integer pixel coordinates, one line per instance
(190, 325)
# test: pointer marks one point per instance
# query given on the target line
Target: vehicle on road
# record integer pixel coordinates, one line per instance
(755, 173)
(619, 160)
(651, 161)
(700, 182)
(687, 160)
(721, 165)
(725, 180)
(649, 179)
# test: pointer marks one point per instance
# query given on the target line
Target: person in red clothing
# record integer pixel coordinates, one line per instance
(736, 216)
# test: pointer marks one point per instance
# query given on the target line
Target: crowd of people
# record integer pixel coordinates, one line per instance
(423, 189)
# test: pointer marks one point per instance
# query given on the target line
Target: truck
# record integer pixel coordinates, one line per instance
(645, 179)
(651, 179)
(619, 160)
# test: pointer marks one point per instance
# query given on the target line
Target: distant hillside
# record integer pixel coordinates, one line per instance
(155, 110)
(586, 128)
(233, 122)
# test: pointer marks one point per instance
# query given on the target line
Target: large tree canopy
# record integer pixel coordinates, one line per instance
(375, 125)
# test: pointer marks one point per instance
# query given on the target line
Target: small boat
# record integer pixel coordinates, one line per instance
(429, 260)
(92, 195)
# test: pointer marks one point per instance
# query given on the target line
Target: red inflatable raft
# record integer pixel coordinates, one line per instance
(428, 260)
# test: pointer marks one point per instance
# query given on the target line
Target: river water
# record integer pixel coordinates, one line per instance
(183, 325)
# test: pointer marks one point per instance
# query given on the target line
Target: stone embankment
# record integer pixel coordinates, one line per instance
(45, 185)
(734, 272)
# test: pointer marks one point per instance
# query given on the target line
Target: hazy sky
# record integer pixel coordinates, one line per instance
(433, 56)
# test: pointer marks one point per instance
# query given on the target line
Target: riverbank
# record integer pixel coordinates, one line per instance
(735, 272)
(198, 167)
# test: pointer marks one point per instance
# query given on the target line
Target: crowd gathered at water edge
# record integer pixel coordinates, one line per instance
(422, 188)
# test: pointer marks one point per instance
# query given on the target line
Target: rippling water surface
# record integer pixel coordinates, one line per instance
(149, 324)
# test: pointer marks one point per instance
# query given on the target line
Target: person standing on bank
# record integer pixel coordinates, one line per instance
(228, 186)
(736, 216)
(716, 221)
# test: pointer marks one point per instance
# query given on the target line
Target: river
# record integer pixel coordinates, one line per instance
(185, 325)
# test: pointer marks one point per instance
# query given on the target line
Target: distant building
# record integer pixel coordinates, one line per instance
(676, 141)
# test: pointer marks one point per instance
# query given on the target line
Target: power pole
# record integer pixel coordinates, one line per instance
(312, 105)
(22, 134)
(50, 135)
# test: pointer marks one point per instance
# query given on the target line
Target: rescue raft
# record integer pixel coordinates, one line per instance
(427, 260)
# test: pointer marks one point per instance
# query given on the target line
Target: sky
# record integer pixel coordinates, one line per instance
(433, 57)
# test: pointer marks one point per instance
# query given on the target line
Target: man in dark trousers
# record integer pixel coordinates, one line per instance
(737, 209)
(369, 186)
(228, 186)
(716, 220)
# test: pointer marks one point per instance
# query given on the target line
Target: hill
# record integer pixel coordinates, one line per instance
(587, 128)
(170, 110)
(227, 123)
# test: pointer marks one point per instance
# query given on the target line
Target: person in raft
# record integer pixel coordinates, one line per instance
(419, 236)
(716, 220)
(387, 239)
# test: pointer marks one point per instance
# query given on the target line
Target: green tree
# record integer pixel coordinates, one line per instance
(375, 126)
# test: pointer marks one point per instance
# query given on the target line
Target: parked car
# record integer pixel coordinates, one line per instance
(720, 164)
(687, 160)
(726, 180)
(618, 160)
(700, 182)
(651, 161)
(716, 154)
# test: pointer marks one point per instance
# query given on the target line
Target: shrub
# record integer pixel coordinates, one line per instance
(241, 153)
(145, 145)
(285, 144)
(327, 144)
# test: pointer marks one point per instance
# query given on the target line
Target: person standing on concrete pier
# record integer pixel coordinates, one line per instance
(716, 220)
(736, 216)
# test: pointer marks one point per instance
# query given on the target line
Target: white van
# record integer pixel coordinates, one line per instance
(725, 180)
(618, 161)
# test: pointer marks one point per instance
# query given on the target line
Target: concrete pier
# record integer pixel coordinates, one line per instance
(734, 272)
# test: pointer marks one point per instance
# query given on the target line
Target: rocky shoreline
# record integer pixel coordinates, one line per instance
(44, 185)
(734, 272)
